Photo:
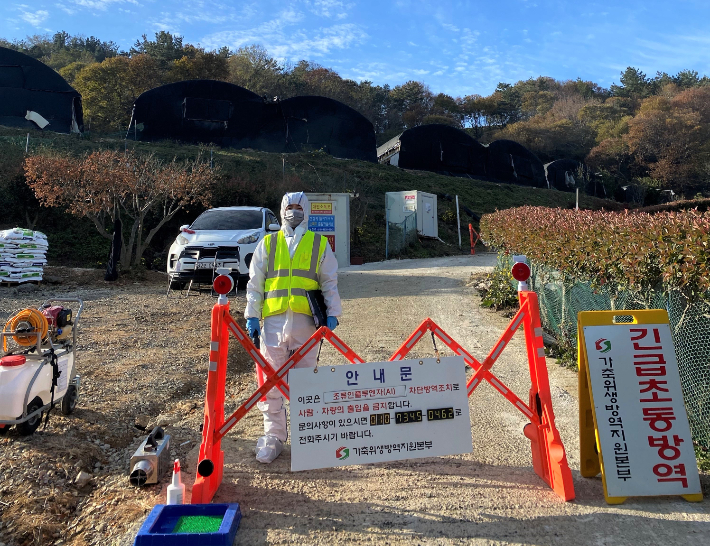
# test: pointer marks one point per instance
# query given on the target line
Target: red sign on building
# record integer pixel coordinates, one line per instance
(331, 240)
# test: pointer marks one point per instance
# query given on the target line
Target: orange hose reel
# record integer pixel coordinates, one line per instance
(27, 321)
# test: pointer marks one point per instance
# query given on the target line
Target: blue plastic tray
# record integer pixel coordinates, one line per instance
(157, 528)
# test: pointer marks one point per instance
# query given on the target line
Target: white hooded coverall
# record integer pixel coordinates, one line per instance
(286, 332)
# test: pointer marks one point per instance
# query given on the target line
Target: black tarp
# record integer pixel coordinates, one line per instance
(198, 111)
(320, 123)
(570, 174)
(563, 174)
(510, 161)
(26, 84)
(209, 111)
(633, 193)
(441, 148)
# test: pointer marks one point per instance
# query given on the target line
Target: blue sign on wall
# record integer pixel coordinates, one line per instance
(321, 223)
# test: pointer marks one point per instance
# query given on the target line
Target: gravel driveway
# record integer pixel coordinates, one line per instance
(490, 496)
(143, 354)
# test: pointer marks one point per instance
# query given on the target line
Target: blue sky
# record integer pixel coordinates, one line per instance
(457, 47)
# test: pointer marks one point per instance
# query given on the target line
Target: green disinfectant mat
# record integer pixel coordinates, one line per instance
(198, 524)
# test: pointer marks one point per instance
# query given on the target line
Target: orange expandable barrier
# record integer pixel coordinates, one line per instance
(471, 232)
(548, 452)
(211, 458)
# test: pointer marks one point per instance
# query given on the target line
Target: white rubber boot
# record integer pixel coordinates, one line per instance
(268, 448)
(274, 412)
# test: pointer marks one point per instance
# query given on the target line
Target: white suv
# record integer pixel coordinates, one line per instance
(232, 231)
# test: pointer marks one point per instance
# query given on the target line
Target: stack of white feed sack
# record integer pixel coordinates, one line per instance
(23, 255)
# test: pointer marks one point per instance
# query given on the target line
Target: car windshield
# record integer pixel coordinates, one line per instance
(228, 219)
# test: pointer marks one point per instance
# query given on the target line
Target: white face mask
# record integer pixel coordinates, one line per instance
(293, 217)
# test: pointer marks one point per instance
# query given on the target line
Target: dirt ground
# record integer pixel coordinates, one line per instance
(142, 354)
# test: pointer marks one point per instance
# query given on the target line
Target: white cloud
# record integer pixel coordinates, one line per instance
(289, 16)
(66, 9)
(101, 5)
(173, 22)
(303, 45)
(285, 38)
(393, 73)
(469, 37)
(670, 53)
(190, 13)
(34, 18)
(329, 8)
(167, 23)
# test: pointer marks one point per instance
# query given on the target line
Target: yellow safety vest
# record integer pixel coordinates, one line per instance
(288, 280)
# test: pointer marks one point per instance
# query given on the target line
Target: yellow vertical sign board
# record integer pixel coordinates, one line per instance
(633, 424)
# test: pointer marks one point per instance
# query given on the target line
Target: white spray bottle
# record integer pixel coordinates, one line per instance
(176, 490)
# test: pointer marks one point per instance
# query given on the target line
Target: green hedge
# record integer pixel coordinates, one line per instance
(631, 251)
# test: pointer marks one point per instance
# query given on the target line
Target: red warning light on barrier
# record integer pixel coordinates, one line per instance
(223, 284)
(521, 272)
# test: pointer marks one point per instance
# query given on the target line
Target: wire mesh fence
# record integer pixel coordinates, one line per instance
(401, 235)
(561, 299)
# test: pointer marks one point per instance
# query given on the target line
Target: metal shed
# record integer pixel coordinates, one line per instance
(401, 205)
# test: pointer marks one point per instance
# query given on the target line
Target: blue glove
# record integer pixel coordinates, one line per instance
(253, 327)
(331, 323)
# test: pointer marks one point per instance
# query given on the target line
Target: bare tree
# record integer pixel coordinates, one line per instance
(106, 185)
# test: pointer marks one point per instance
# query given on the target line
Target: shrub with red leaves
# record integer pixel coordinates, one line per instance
(633, 251)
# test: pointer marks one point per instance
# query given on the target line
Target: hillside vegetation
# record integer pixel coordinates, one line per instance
(245, 177)
(653, 131)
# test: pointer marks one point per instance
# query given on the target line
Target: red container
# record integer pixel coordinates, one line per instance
(13, 360)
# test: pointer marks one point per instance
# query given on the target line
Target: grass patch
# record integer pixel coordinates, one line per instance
(702, 455)
(249, 177)
(565, 353)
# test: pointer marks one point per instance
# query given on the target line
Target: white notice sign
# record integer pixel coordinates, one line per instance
(645, 439)
(378, 411)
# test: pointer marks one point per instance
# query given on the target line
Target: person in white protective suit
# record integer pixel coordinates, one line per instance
(284, 266)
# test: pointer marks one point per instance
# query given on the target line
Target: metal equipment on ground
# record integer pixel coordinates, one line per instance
(151, 460)
(38, 366)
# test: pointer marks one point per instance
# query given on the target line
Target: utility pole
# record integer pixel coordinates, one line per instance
(458, 219)
(387, 229)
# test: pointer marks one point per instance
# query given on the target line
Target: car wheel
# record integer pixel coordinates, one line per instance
(177, 285)
(4, 429)
(29, 426)
(242, 283)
